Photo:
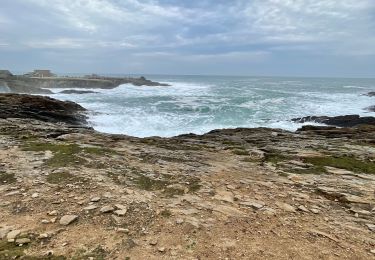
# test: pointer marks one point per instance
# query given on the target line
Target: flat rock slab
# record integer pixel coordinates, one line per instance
(68, 219)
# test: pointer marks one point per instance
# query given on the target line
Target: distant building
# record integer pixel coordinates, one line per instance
(41, 74)
(5, 74)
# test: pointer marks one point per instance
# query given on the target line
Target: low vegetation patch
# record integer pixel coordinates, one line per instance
(345, 162)
(66, 154)
(64, 177)
(6, 178)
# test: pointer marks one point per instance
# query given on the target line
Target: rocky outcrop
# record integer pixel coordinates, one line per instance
(370, 108)
(41, 108)
(371, 94)
(73, 91)
(30, 84)
(74, 193)
(341, 121)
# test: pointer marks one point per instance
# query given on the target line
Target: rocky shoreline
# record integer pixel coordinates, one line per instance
(69, 192)
(36, 84)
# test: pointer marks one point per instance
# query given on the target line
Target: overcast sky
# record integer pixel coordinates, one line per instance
(221, 37)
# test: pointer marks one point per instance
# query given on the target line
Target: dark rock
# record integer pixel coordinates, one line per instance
(4, 74)
(370, 108)
(72, 91)
(341, 121)
(371, 94)
(41, 108)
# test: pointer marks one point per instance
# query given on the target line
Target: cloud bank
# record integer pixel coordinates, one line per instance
(238, 37)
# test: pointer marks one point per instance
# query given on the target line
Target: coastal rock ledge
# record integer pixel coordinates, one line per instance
(41, 108)
(69, 192)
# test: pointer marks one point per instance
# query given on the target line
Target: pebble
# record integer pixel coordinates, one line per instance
(95, 199)
(120, 212)
(53, 213)
(179, 221)
(285, 206)
(161, 249)
(45, 221)
(123, 230)
(153, 242)
(35, 195)
(22, 241)
(90, 207)
(67, 219)
(13, 234)
(315, 211)
(303, 208)
(106, 209)
(371, 227)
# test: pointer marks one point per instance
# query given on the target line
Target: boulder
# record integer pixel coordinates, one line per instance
(340, 121)
(41, 108)
(73, 91)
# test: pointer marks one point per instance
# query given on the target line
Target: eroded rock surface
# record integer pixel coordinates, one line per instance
(229, 194)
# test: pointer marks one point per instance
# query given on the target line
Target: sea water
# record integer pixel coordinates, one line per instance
(198, 104)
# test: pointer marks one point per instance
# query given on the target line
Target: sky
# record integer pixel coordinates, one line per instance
(330, 38)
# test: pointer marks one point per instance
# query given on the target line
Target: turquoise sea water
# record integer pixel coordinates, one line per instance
(198, 104)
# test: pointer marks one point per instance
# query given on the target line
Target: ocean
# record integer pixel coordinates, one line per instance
(198, 104)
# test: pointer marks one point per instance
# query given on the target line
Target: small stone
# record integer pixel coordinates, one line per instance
(4, 231)
(153, 242)
(179, 221)
(315, 211)
(45, 221)
(119, 206)
(120, 212)
(35, 195)
(303, 208)
(106, 209)
(43, 236)
(53, 213)
(371, 227)
(90, 207)
(53, 220)
(253, 204)
(285, 206)
(95, 199)
(161, 249)
(372, 251)
(22, 241)
(13, 234)
(123, 230)
(68, 219)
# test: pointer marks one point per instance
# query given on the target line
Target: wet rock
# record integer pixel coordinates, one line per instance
(341, 121)
(41, 108)
(73, 91)
(68, 219)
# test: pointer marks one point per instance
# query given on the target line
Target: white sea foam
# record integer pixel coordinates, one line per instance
(199, 105)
